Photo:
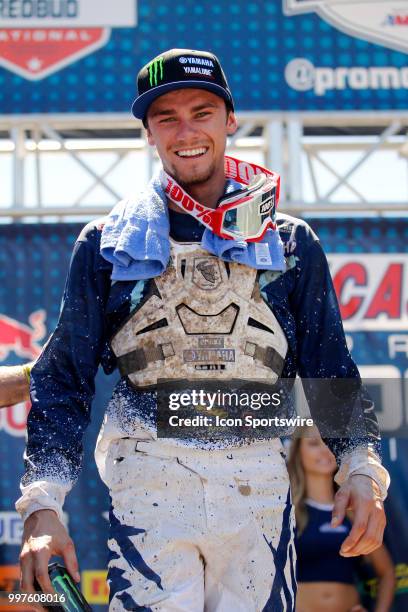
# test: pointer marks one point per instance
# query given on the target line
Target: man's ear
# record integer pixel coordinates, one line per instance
(232, 123)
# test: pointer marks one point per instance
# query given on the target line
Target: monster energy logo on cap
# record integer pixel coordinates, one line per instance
(154, 67)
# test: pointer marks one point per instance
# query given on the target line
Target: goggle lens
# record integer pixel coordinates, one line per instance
(250, 219)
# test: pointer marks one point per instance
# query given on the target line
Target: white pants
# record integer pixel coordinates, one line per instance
(196, 531)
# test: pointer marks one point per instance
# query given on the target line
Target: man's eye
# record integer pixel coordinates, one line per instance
(167, 120)
(203, 114)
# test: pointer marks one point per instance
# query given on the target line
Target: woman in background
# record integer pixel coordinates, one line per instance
(327, 580)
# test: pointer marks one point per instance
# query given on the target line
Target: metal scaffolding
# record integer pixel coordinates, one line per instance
(300, 146)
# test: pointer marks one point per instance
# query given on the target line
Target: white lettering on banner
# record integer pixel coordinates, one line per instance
(27, 9)
(380, 21)
(39, 37)
(372, 290)
(397, 345)
(11, 527)
(45, 35)
(67, 13)
(302, 75)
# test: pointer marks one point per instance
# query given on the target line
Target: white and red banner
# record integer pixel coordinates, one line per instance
(380, 21)
(372, 290)
(39, 37)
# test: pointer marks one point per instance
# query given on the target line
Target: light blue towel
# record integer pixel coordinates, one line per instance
(135, 239)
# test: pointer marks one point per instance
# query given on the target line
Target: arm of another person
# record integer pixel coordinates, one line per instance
(62, 389)
(14, 384)
(385, 570)
(323, 354)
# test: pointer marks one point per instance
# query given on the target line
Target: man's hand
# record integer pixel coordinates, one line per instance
(44, 535)
(362, 495)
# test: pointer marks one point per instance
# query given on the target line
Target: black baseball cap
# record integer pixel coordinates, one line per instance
(179, 69)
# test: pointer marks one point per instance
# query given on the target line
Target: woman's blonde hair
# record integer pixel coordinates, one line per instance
(297, 476)
(297, 481)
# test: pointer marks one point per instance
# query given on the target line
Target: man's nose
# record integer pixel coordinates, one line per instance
(185, 130)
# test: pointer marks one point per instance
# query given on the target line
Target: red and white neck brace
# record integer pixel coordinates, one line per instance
(236, 169)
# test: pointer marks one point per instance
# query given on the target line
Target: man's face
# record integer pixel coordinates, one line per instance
(189, 128)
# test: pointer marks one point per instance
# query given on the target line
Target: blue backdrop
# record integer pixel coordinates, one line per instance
(33, 265)
(274, 60)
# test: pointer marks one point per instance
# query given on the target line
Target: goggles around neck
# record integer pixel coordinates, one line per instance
(245, 214)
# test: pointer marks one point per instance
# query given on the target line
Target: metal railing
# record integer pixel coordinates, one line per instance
(294, 144)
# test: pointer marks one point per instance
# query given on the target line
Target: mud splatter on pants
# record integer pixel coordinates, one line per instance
(194, 530)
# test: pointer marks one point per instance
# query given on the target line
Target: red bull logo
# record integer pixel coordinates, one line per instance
(20, 338)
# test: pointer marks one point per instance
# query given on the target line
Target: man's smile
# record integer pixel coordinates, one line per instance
(192, 153)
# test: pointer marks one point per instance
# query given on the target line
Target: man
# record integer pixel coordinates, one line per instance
(195, 523)
(14, 384)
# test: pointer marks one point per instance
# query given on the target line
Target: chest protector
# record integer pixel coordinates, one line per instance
(202, 319)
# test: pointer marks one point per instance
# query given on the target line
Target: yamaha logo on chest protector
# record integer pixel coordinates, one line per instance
(202, 318)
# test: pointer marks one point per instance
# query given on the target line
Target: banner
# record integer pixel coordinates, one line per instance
(369, 266)
(82, 56)
(40, 37)
(381, 21)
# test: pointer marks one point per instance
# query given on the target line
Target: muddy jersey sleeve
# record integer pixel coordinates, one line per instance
(62, 384)
(339, 403)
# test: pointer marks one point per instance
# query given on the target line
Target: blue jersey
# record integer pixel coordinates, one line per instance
(318, 548)
(93, 309)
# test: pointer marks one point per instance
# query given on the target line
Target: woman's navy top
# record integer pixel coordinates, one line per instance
(318, 548)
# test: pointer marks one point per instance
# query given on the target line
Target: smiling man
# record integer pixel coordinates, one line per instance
(200, 165)
(187, 281)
